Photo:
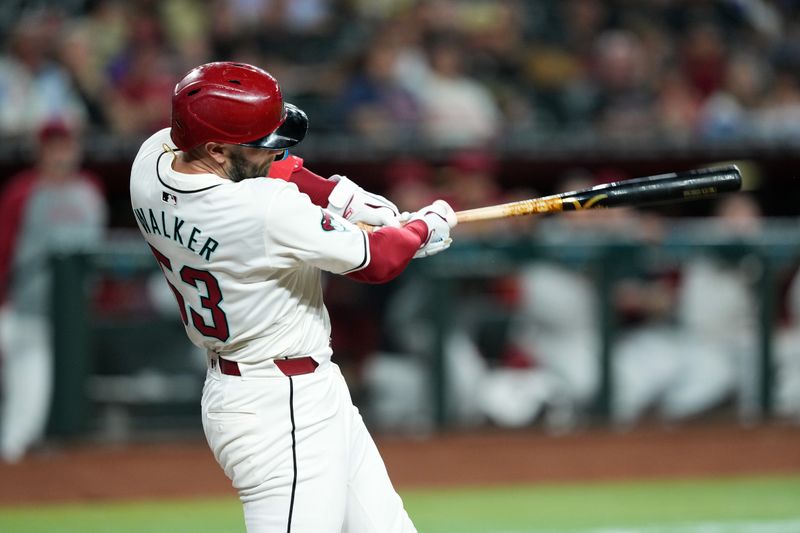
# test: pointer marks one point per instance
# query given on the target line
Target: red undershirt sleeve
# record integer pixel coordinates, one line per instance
(292, 170)
(391, 249)
(316, 187)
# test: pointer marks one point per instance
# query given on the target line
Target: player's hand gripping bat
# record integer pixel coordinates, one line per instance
(663, 188)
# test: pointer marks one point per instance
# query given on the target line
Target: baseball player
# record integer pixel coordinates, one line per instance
(243, 255)
(53, 207)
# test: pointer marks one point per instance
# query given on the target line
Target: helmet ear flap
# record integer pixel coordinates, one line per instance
(176, 131)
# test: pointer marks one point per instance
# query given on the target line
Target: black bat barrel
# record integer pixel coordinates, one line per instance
(675, 186)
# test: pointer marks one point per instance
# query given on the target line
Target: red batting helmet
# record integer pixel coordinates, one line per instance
(233, 103)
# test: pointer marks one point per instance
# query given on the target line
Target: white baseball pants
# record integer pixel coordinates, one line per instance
(26, 352)
(299, 454)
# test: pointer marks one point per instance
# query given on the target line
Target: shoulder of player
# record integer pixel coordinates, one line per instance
(272, 197)
(155, 144)
(267, 185)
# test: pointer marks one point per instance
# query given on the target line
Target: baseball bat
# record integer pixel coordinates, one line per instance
(662, 188)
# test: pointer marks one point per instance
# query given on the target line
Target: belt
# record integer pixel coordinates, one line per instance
(291, 367)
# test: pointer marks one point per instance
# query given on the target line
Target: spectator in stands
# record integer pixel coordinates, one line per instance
(186, 25)
(78, 54)
(778, 116)
(108, 22)
(729, 112)
(137, 103)
(624, 96)
(53, 207)
(497, 52)
(33, 88)
(86, 47)
(677, 106)
(704, 57)
(577, 66)
(299, 17)
(579, 22)
(374, 105)
(458, 112)
(142, 75)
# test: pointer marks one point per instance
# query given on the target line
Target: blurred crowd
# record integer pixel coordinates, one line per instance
(524, 346)
(446, 72)
(451, 74)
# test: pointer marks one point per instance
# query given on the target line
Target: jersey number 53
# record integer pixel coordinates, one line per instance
(218, 328)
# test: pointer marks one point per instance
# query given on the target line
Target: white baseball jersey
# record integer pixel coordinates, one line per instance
(243, 259)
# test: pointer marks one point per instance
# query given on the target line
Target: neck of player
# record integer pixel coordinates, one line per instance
(198, 166)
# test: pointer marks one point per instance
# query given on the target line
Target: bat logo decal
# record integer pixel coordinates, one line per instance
(589, 204)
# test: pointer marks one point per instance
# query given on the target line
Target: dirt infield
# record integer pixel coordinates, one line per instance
(187, 469)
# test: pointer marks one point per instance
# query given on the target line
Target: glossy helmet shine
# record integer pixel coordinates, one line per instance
(234, 103)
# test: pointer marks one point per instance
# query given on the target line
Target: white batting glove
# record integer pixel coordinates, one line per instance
(350, 201)
(439, 217)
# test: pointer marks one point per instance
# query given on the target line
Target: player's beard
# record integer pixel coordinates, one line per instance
(239, 168)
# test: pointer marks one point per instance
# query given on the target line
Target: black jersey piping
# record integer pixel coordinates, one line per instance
(366, 255)
(158, 174)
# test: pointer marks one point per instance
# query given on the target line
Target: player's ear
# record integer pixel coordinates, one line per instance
(217, 151)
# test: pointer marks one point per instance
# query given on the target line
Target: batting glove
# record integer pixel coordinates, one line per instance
(350, 201)
(439, 217)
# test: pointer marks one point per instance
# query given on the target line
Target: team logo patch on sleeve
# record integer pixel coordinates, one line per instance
(329, 223)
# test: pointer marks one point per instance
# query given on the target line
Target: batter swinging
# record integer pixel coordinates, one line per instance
(242, 254)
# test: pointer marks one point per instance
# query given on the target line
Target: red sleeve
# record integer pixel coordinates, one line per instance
(12, 206)
(284, 168)
(316, 187)
(390, 250)
(292, 170)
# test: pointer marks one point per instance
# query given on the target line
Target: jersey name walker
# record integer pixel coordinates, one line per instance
(248, 287)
